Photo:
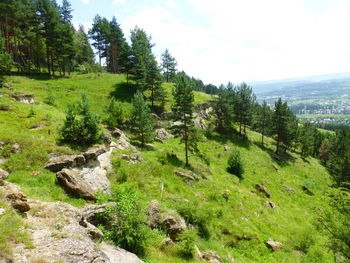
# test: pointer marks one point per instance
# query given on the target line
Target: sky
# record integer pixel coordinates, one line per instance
(237, 40)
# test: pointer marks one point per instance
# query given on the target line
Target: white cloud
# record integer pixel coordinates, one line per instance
(170, 3)
(118, 2)
(86, 1)
(252, 39)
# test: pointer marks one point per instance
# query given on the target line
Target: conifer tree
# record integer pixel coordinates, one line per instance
(183, 113)
(263, 120)
(82, 48)
(307, 137)
(141, 119)
(223, 110)
(168, 65)
(243, 106)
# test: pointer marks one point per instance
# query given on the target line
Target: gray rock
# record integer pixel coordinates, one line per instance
(25, 98)
(2, 211)
(107, 139)
(172, 226)
(227, 148)
(135, 157)
(4, 259)
(116, 133)
(274, 245)
(93, 153)
(58, 163)
(187, 175)
(167, 242)
(15, 148)
(270, 204)
(153, 213)
(74, 185)
(263, 190)
(18, 202)
(211, 256)
(162, 135)
(3, 174)
(289, 189)
(118, 255)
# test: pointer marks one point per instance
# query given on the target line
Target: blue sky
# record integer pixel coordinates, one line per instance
(237, 40)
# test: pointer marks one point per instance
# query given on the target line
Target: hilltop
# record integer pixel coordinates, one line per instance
(277, 198)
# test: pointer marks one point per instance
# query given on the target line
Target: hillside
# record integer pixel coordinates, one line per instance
(223, 213)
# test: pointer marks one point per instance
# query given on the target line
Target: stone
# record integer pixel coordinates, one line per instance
(2, 161)
(93, 153)
(36, 126)
(2, 211)
(4, 107)
(226, 194)
(227, 148)
(118, 255)
(107, 139)
(18, 202)
(2, 182)
(15, 148)
(135, 157)
(212, 257)
(2, 144)
(263, 190)
(4, 259)
(230, 258)
(6, 86)
(274, 245)
(74, 185)
(289, 189)
(167, 242)
(25, 98)
(172, 226)
(187, 175)
(153, 213)
(270, 204)
(116, 133)
(3, 174)
(58, 163)
(162, 135)
(275, 167)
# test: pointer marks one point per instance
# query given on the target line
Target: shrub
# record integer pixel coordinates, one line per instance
(81, 126)
(114, 113)
(186, 244)
(235, 164)
(124, 223)
(50, 99)
(82, 69)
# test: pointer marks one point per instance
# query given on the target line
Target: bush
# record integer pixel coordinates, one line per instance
(186, 244)
(124, 223)
(114, 113)
(82, 69)
(235, 164)
(81, 126)
(50, 99)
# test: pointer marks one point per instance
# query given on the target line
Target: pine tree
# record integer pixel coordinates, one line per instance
(183, 113)
(263, 120)
(141, 119)
(307, 137)
(223, 110)
(153, 81)
(83, 51)
(168, 65)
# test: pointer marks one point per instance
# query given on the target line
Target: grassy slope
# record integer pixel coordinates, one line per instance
(238, 226)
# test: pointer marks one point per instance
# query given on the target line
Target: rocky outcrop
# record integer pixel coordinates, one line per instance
(173, 226)
(74, 185)
(187, 175)
(92, 154)
(153, 213)
(58, 163)
(25, 98)
(262, 190)
(117, 254)
(18, 202)
(162, 135)
(3, 174)
(211, 256)
(134, 157)
(274, 245)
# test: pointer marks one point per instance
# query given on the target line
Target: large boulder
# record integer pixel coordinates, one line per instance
(118, 255)
(92, 154)
(25, 98)
(262, 189)
(162, 135)
(153, 213)
(73, 184)
(58, 163)
(274, 245)
(3, 174)
(173, 226)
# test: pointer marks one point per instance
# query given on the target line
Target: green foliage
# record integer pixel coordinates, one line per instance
(114, 113)
(81, 126)
(141, 119)
(50, 99)
(124, 223)
(263, 120)
(82, 69)
(186, 244)
(168, 65)
(31, 113)
(235, 164)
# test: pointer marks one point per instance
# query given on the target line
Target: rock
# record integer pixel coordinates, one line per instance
(263, 190)
(116, 133)
(89, 219)
(6, 86)
(25, 98)
(197, 252)
(58, 163)
(172, 226)
(274, 245)
(212, 257)
(36, 126)
(230, 258)
(153, 213)
(155, 116)
(15, 148)
(93, 153)
(227, 148)
(270, 204)
(200, 123)
(275, 167)
(2, 161)
(74, 185)
(187, 175)
(18, 202)
(4, 107)
(3, 174)
(4, 259)
(2, 211)
(226, 194)
(289, 189)
(162, 135)
(107, 139)
(118, 255)
(35, 173)
(135, 157)
(2, 144)
(167, 242)
(2, 182)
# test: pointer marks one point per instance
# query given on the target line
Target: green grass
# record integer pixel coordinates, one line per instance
(238, 225)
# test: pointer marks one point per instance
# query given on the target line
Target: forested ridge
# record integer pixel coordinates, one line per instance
(160, 119)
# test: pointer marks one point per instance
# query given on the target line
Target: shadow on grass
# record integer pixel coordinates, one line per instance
(38, 76)
(232, 136)
(282, 159)
(124, 91)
